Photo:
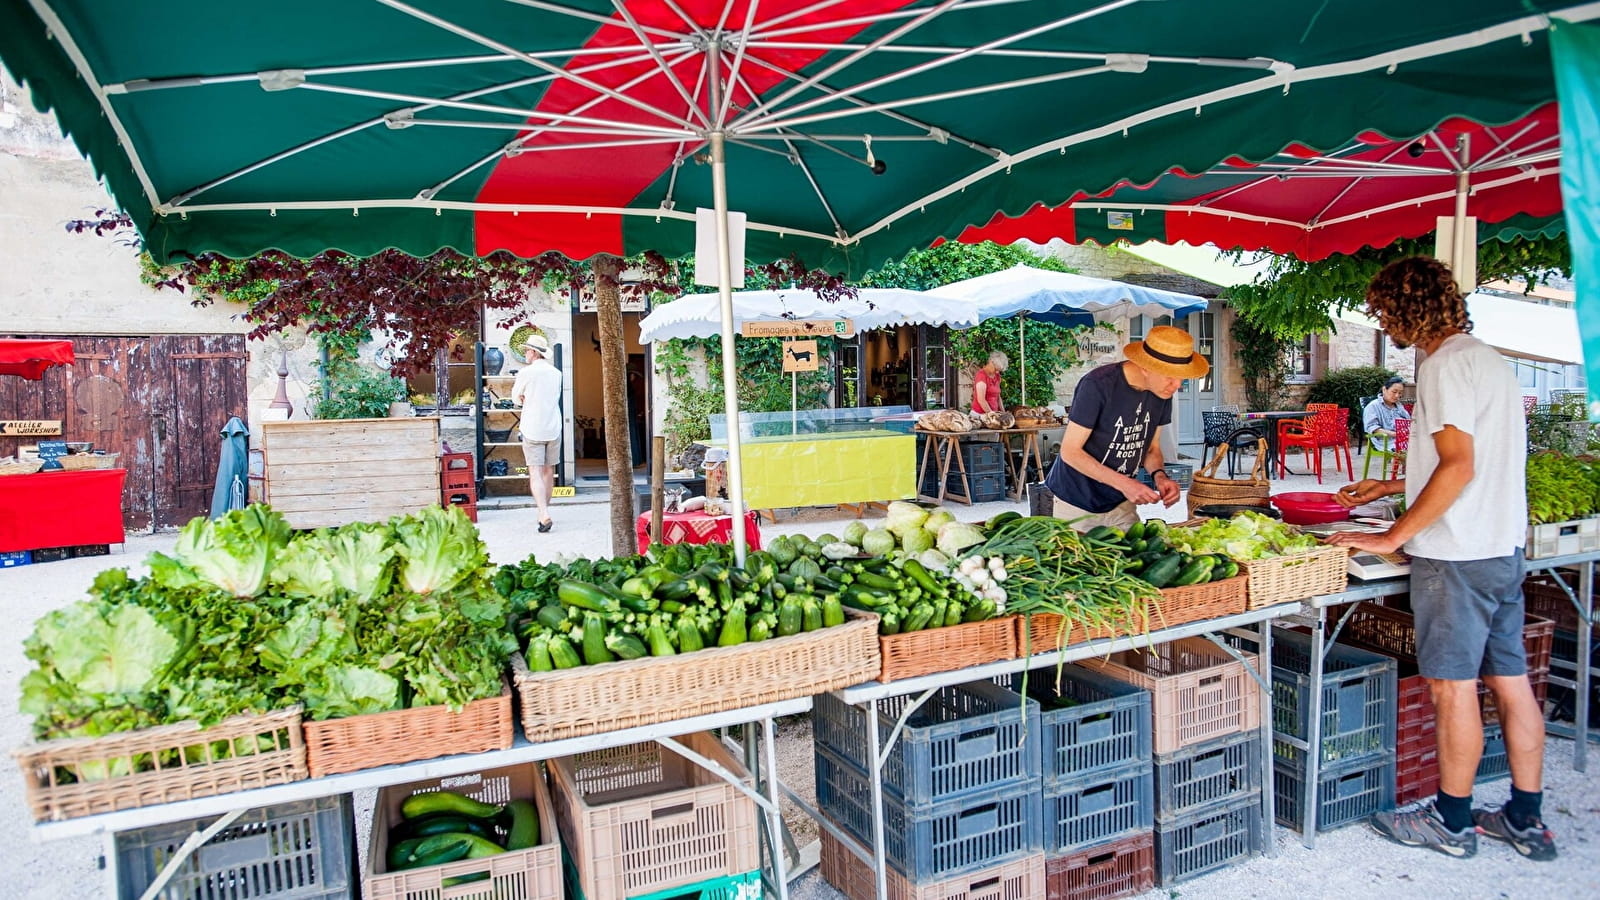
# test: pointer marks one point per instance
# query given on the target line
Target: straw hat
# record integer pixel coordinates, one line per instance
(1167, 351)
(537, 342)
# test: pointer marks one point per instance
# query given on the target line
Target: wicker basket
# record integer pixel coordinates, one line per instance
(947, 649)
(1041, 632)
(406, 735)
(77, 461)
(1280, 579)
(181, 754)
(626, 694)
(1253, 491)
(13, 467)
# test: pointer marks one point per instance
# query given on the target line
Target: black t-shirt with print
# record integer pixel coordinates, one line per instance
(1120, 418)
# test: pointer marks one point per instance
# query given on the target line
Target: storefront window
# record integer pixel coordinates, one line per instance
(1300, 358)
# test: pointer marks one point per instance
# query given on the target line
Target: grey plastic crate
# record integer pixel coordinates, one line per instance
(1346, 793)
(1101, 807)
(955, 837)
(1359, 697)
(1206, 774)
(967, 738)
(1090, 722)
(1495, 762)
(294, 851)
(1207, 840)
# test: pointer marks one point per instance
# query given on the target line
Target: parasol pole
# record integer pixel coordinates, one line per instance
(1022, 359)
(1463, 247)
(730, 384)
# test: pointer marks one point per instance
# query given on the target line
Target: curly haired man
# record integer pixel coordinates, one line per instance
(1464, 527)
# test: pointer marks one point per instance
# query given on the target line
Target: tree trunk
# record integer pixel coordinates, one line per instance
(614, 384)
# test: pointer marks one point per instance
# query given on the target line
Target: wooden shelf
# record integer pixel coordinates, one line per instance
(505, 477)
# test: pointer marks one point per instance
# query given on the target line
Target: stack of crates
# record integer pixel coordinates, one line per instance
(1392, 632)
(458, 485)
(1356, 766)
(641, 822)
(1206, 713)
(961, 793)
(1098, 785)
(1547, 600)
(986, 471)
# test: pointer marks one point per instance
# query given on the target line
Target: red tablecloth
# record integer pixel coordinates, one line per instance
(698, 528)
(61, 509)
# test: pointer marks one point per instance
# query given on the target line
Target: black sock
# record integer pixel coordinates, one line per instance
(1523, 810)
(1456, 811)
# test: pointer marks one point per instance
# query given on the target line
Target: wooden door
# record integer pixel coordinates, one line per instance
(207, 377)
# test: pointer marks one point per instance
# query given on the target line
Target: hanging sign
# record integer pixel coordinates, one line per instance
(30, 427)
(799, 356)
(630, 300)
(800, 328)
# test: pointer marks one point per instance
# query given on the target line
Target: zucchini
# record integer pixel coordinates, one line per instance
(877, 582)
(811, 614)
(832, 611)
(551, 617)
(1161, 572)
(689, 639)
(889, 623)
(625, 646)
(791, 617)
(952, 614)
(733, 631)
(660, 644)
(918, 617)
(539, 655)
(422, 804)
(586, 597)
(978, 612)
(400, 853)
(594, 640)
(759, 630)
(563, 654)
(1001, 519)
(524, 831)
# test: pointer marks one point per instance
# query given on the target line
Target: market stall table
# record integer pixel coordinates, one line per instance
(1314, 616)
(923, 687)
(697, 527)
(943, 450)
(822, 457)
(61, 509)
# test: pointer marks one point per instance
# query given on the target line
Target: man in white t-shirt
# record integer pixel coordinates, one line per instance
(538, 391)
(1465, 523)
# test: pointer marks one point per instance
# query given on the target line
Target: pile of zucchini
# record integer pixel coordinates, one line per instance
(440, 827)
(907, 596)
(676, 600)
(1152, 559)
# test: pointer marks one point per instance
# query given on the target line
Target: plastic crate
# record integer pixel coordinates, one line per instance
(1198, 691)
(13, 558)
(1545, 599)
(294, 851)
(1105, 727)
(1348, 792)
(1119, 869)
(51, 554)
(1022, 879)
(639, 818)
(729, 887)
(1495, 763)
(531, 874)
(966, 739)
(1209, 839)
(986, 486)
(83, 550)
(1563, 538)
(983, 456)
(1360, 694)
(1416, 776)
(956, 837)
(1103, 807)
(1207, 774)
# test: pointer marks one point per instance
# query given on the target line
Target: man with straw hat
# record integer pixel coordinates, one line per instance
(1114, 427)
(537, 391)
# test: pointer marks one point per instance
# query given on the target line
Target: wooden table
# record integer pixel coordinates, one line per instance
(944, 448)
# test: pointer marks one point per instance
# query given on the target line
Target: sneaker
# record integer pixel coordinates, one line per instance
(1419, 825)
(1535, 842)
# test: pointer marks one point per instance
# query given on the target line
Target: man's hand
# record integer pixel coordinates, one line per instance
(1170, 492)
(1374, 543)
(1135, 490)
(1362, 492)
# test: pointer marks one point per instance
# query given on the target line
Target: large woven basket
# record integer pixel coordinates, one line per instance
(1281, 579)
(407, 735)
(14, 467)
(626, 694)
(1207, 489)
(1041, 632)
(947, 649)
(77, 461)
(179, 759)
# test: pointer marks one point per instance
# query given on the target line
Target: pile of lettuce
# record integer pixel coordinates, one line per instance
(246, 616)
(1245, 536)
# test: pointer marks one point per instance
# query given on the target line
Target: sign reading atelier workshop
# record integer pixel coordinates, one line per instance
(30, 427)
(799, 328)
(799, 356)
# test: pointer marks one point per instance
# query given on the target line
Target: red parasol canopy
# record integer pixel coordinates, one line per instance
(29, 358)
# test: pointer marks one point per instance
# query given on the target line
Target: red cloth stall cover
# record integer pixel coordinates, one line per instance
(61, 509)
(29, 358)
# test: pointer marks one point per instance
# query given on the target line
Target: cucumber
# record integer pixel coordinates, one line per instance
(1231, 569)
(1196, 571)
(442, 823)
(427, 802)
(1103, 533)
(1135, 533)
(1161, 572)
(524, 832)
(400, 853)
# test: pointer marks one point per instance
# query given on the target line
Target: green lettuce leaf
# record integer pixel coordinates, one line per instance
(234, 553)
(437, 548)
(351, 691)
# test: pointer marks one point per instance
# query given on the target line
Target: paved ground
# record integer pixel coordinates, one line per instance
(1347, 863)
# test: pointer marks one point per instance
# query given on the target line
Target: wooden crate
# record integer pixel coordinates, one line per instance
(326, 472)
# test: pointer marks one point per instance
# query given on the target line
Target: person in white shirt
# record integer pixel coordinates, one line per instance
(1465, 524)
(537, 391)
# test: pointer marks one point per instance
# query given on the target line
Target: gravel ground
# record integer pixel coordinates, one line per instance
(1346, 863)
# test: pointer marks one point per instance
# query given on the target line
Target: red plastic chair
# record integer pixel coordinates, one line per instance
(1529, 401)
(1332, 426)
(1402, 442)
(1298, 433)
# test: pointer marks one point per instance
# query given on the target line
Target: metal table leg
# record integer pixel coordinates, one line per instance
(1269, 812)
(1580, 719)
(880, 860)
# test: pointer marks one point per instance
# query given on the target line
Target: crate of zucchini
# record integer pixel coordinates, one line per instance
(676, 633)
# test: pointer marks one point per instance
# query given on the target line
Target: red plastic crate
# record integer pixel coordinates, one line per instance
(1118, 869)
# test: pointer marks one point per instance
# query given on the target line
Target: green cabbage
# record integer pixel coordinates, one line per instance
(904, 515)
(917, 540)
(878, 542)
(955, 537)
(937, 519)
(854, 532)
(935, 560)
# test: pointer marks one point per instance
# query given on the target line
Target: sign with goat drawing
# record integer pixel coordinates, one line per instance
(800, 356)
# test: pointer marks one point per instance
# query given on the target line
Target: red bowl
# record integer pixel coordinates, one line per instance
(1309, 507)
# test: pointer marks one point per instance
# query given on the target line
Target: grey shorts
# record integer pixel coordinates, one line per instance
(539, 453)
(1469, 617)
